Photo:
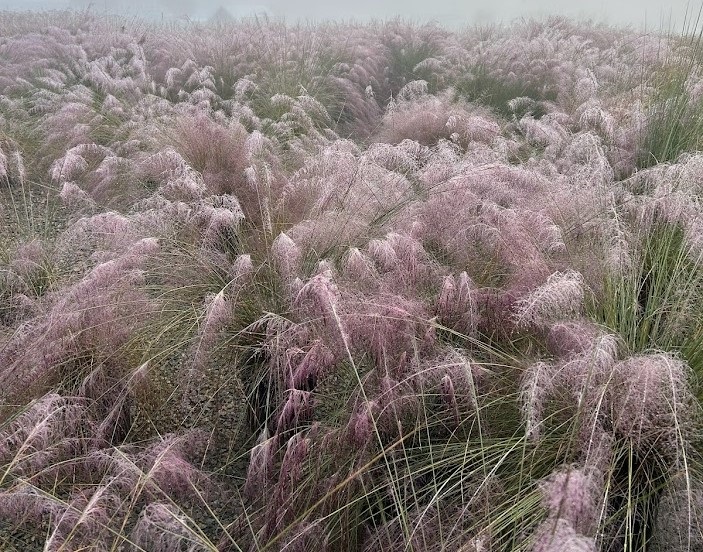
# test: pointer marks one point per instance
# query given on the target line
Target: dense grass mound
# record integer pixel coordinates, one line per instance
(349, 287)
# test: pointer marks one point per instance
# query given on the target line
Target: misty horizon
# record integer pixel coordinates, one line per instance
(648, 13)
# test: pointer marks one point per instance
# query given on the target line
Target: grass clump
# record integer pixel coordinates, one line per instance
(674, 114)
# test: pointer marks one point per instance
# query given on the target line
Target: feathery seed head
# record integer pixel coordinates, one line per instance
(560, 296)
(573, 495)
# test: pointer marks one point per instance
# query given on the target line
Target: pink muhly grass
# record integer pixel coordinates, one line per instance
(582, 376)
(522, 103)
(109, 398)
(585, 377)
(429, 528)
(679, 523)
(398, 407)
(217, 215)
(282, 337)
(508, 195)
(361, 426)
(220, 221)
(597, 450)
(241, 271)
(86, 520)
(413, 264)
(519, 240)
(405, 157)
(327, 231)
(448, 231)
(584, 159)
(461, 380)
(260, 181)
(344, 181)
(77, 161)
(282, 511)
(595, 117)
(456, 307)
(3, 166)
(358, 268)
(68, 168)
(287, 257)
(169, 467)
(388, 327)
(261, 465)
(19, 171)
(545, 132)
(473, 128)
(243, 87)
(111, 173)
(306, 536)
(24, 306)
(319, 296)
(217, 151)
(383, 253)
(496, 312)
(163, 164)
(314, 364)
(558, 535)
(162, 527)
(24, 503)
(297, 408)
(177, 179)
(76, 198)
(28, 258)
(112, 106)
(650, 401)
(449, 397)
(49, 430)
(184, 186)
(417, 116)
(570, 337)
(107, 232)
(218, 312)
(573, 495)
(535, 387)
(292, 465)
(560, 296)
(590, 367)
(96, 314)
(69, 124)
(541, 230)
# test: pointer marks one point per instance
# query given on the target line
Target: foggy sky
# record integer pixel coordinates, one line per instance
(654, 13)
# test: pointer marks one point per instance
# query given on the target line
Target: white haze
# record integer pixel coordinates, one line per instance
(653, 14)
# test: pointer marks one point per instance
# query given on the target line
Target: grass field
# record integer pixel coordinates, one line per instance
(374, 287)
